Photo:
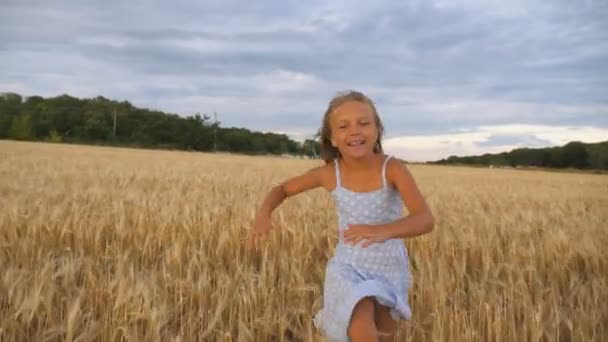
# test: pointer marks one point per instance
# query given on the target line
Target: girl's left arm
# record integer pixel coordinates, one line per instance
(420, 219)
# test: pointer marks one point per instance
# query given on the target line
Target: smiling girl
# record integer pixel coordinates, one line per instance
(368, 278)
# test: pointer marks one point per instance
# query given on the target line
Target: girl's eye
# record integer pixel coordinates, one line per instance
(365, 123)
(342, 127)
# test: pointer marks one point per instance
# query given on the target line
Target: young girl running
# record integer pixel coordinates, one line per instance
(368, 278)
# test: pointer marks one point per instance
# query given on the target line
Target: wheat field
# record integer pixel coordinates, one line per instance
(116, 244)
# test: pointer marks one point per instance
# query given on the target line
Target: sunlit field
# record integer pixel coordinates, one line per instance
(114, 244)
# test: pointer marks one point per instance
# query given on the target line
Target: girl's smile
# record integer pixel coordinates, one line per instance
(354, 130)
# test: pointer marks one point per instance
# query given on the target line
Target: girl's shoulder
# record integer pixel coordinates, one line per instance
(327, 174)
(398, 174)
(315, 177)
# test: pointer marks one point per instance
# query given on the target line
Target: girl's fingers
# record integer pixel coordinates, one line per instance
(252, 241)
(356, 240)
(353, 240)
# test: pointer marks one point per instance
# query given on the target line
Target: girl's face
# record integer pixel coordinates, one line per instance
(353, 129)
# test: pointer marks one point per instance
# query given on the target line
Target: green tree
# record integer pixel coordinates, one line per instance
(311, 148)
(575, 154)
(21, 128)
(69, 119)
(54, 137)
(96, 127)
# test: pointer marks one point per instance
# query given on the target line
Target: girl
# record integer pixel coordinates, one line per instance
(368, 278)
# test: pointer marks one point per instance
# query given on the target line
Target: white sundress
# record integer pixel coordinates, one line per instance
(381, 270)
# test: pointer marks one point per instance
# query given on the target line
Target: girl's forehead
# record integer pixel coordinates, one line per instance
(352, 108)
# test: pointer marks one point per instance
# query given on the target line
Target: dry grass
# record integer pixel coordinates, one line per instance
(112, 244)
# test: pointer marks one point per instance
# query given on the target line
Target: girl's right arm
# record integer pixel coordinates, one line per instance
(309, 180)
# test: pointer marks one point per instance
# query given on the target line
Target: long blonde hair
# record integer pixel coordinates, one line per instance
(328, 151)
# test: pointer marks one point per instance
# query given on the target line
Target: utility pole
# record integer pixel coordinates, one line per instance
(114, 128)
(215, 132)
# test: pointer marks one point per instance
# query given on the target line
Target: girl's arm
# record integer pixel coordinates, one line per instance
(420, 219)
(311, 179)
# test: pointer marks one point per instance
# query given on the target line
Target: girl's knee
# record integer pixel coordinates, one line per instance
(364, 309)
(362, 323)
(385, 324)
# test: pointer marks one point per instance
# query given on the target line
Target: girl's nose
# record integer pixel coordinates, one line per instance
(355, 130)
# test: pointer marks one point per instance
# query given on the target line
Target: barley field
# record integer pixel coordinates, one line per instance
(116, 244)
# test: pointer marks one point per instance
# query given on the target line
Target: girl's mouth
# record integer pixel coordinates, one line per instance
(355, 143)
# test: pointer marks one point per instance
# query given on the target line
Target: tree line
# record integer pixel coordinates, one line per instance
(102, 121)
(574, 154)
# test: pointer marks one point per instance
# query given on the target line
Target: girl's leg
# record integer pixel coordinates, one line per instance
(385, 324)
(362, 325)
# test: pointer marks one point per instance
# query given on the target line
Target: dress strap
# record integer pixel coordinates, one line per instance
(338, 183)
(384, 171)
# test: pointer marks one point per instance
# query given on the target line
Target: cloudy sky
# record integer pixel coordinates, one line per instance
(448, 77)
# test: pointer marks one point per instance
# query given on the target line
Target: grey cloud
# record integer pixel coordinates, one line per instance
(412, 58)
(510, 139)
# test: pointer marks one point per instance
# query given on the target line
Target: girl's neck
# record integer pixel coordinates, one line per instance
(363, 163)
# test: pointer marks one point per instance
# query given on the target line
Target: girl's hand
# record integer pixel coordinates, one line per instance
(369, 233)
(260, 229)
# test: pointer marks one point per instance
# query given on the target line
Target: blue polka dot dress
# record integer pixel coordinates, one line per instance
(381, 270)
